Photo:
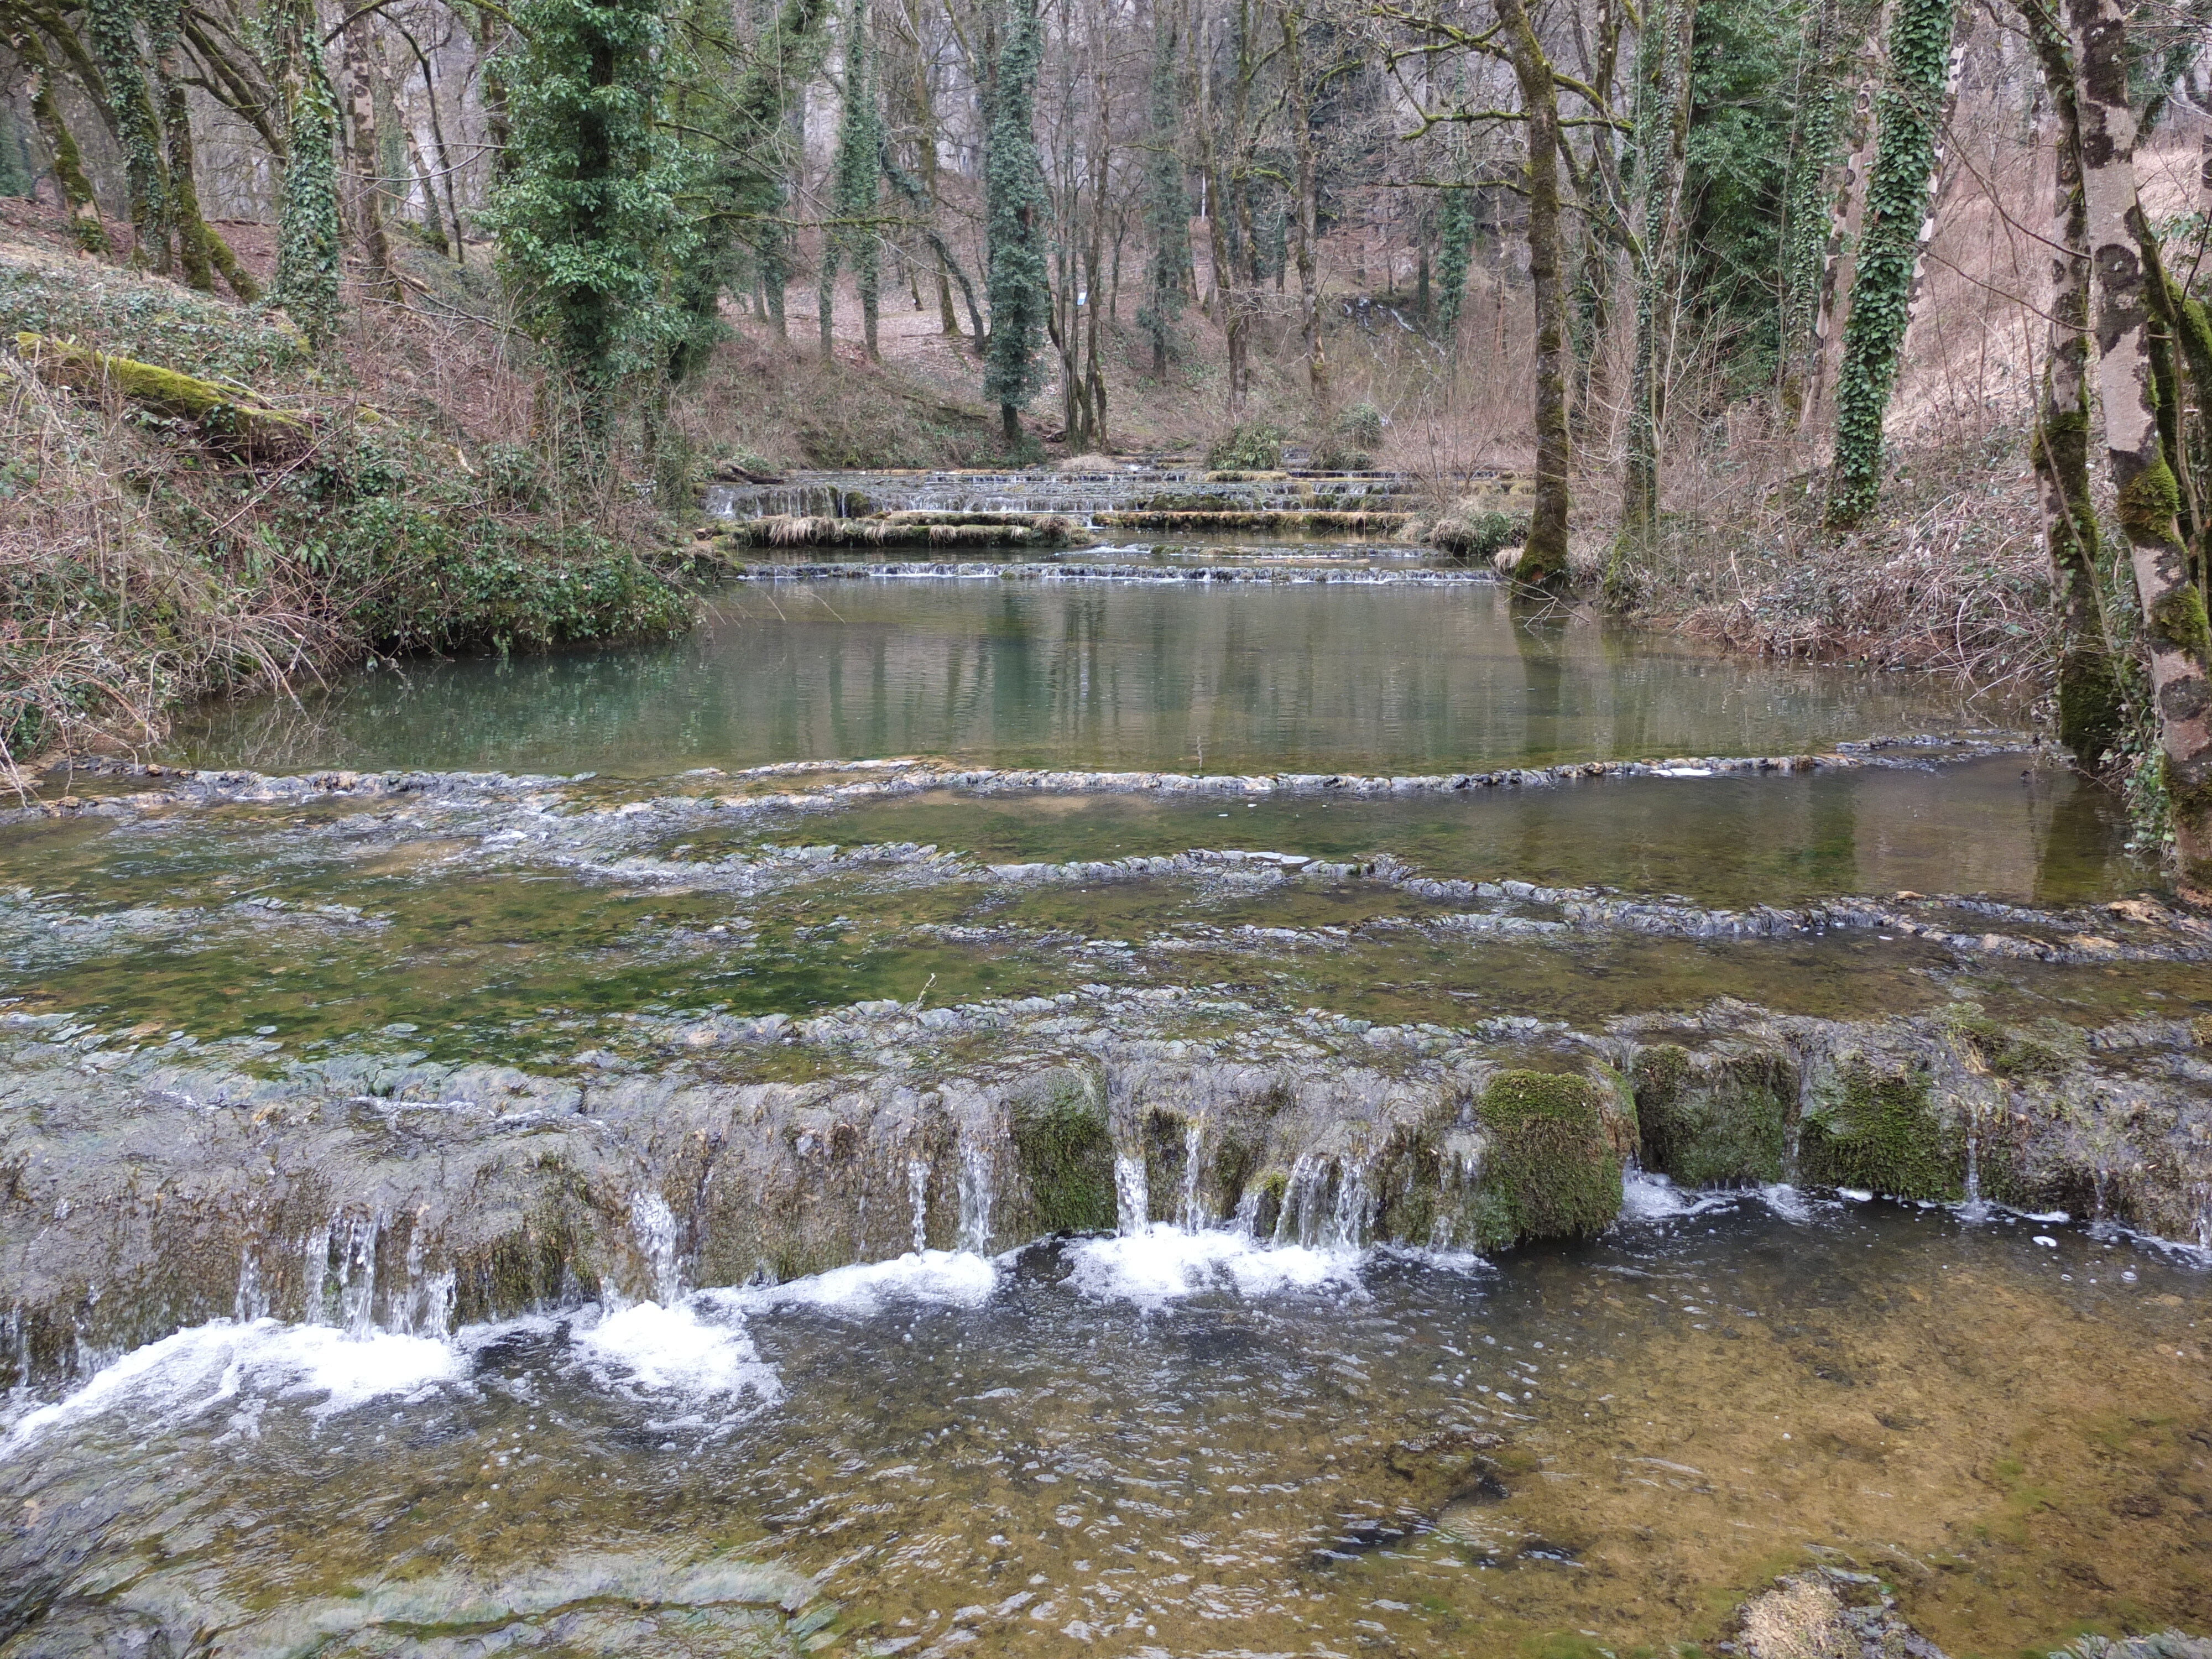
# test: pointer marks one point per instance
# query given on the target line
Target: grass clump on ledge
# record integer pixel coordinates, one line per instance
(191, 503)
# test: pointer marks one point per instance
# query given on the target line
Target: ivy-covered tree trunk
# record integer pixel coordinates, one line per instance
(1663, 132)
(112, 33)
(1907, 113)
(1846, 188)
(2174, 627)
(584, 212)
(307, 270)
(2091, 711)
(1455, 252)
(1016, 210)
(1167, 209)
(1544, 556)
(857, 168)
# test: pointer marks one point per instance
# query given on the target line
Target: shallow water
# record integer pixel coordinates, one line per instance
(1180, 1443)
(1167, 1441)
(1084, 674)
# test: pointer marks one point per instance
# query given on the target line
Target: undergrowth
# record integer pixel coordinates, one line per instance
(144, 563)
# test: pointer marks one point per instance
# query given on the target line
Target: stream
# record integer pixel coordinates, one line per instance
(1266, 1101)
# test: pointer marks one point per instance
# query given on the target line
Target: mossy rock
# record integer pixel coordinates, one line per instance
(1555, 1164)
(1872, 1124)
(1063, 1151)
(1718, 1119)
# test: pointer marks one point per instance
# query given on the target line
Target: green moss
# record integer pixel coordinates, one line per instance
(1065, 1153)
(1878, 1129)
(1551, 1171)
(2178, 620)
(2092, 708)
(2149, 503)
(1717, 1124)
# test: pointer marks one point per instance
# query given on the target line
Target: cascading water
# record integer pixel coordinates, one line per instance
(653, 1225)
(917, 1193)
(1192, 1215)
(978, 1194)
(1132, 1201)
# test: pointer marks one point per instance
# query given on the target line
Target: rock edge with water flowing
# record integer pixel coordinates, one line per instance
(144, 1188)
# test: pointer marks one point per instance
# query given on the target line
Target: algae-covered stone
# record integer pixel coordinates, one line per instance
(1716, 1118)
(1552, 1167)
(1870, 1122)
(1064, 1155)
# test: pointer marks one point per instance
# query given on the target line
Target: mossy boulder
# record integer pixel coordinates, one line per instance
(1063, 1157)
(1716, 1118)
(1552, 1167)
(1871, 1121)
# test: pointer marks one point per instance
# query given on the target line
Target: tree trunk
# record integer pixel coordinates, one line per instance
(367, 148)
(1299, 92)
(1897, 200)
(2174, 627)
(77, 197)
(110, 31)
(1544, 557)
(1846, 216)
(1662, 129)
(2091, 709)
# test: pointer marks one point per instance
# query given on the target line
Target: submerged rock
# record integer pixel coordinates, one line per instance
(1827, 1614)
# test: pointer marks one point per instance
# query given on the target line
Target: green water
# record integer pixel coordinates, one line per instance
(1173, 1442)
(1098, 674)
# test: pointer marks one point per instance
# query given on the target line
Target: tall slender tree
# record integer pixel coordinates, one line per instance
(1016, 210)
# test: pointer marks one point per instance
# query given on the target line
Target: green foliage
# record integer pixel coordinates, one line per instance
(1360, 423)
(1166, 208)
(1253, 446)
(1454, 250)
(1471, 531)
(307, 269)
(583, 214)
(1745, 74)
(1017, 213)
(1881, 286)
(152, 323)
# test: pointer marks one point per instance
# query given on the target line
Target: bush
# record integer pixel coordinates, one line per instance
(1469, 531)
(1360, 425)
(1253, 446)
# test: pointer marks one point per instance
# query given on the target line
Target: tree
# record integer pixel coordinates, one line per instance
(1899, 190)
(853, 186)
(1167, 209)
(1544, 555)
(2091, 709)
(1016, 206)
(307, 213)
(584, 211)
(2175, 632)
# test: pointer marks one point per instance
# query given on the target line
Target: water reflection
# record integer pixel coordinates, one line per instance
(1084, 674)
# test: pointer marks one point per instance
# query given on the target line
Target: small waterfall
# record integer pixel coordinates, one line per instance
(251, 1302)
(917, 1193)
(316, 1248)
(357, 1285)
(1290, 1220)
(1974, 1209)
(2204, 1215)
(1133, 1197)
(653, 1223)
(1191, 1215)
(1348, 1222)
(978, 1195)
(1247, 1212)
(427, 1308)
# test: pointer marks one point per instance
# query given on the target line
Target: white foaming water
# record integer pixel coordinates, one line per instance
(951, 1277)
(645, 1349)
(187, 1372)
(1646, 1197)
(1162, 1263)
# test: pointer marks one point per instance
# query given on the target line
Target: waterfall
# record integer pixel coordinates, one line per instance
(1347, 1224)
(653, 1223)
(251, 1302)
(1193, 1215)
(978, 1195)
(1973, 1208)
(917, 1192)
(1133, 1198)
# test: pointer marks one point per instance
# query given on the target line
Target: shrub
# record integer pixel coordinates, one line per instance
(1474, 533)
(1252, 446)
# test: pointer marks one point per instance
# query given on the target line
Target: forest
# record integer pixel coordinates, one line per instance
(1823, 328)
